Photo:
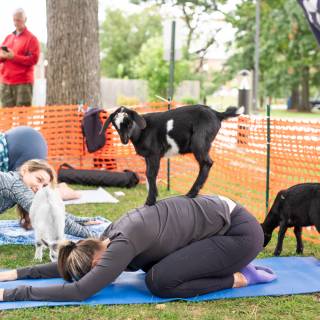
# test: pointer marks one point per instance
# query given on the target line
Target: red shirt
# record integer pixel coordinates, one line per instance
(26, 49)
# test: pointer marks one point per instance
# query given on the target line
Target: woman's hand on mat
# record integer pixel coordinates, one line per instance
(1, 294)
(92, 222)
(8, 275)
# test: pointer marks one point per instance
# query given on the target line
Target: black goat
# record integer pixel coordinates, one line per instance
(188, 129)
(297, 206)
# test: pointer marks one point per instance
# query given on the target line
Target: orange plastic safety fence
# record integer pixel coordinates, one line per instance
(239, 153)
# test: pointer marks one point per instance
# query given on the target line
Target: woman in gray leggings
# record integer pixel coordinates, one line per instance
(187, 247)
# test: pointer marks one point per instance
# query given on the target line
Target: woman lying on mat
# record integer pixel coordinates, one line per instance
(18, 188)
(187, 247)
(24, 143)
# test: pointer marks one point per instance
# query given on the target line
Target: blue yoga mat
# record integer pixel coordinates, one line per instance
(296, 275)
(12, 233)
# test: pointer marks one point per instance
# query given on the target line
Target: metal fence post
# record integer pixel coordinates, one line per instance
(171, 84)
(268, 159)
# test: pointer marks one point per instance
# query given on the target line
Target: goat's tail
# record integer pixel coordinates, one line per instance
(229, 113)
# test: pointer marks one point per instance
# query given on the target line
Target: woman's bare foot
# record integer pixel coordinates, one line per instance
(67, 193)
(92, 222)
(239, 280)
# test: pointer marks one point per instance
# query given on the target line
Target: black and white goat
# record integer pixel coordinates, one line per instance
(188, 129)
(47, 215)
(297, 206)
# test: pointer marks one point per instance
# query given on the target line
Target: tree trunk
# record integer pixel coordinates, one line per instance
(73, 72)
(304, 102)
(295, 97)
(261, 99)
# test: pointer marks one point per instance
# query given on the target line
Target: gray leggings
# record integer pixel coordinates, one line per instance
(25, 143)
(208, 265)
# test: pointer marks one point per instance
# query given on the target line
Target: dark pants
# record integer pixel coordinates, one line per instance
(208, 265)
(25, 143)
(13, 95)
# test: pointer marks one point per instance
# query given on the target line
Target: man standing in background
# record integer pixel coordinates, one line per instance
(18, 54)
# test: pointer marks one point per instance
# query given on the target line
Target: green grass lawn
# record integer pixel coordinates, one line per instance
(288, 307)
(291, 114)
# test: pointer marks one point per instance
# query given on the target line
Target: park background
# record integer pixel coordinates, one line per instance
(216, 40)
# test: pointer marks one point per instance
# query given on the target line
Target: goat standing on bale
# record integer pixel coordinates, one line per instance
(189, 129)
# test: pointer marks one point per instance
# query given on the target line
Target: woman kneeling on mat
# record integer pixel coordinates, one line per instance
(187, 247)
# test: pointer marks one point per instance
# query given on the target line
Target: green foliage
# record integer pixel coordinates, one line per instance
(286, 46)
(292, 47)
(189, 100)
(122, 37)
(118, 52)
(127, 101)
(200, 5)
(194, 14)
(151, 66)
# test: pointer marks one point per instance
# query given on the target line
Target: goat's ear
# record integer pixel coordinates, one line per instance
(54, 246)
(106, 124)
(139, 120)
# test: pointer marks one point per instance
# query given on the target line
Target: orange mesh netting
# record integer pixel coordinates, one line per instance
(239, 153)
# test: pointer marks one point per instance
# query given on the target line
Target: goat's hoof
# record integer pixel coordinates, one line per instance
(192, 194)
(299, 251)
(150, 202)
(277, 253)
(38, 259)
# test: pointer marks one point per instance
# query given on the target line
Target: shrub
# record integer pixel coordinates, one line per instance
(127, 101)
(189, 100)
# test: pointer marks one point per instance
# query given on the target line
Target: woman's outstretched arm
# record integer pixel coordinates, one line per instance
(40, 271)
(8, 275)
(49, 270)
(76, 229)
(115, 260)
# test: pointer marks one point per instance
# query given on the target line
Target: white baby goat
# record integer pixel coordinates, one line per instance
(47, 215)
